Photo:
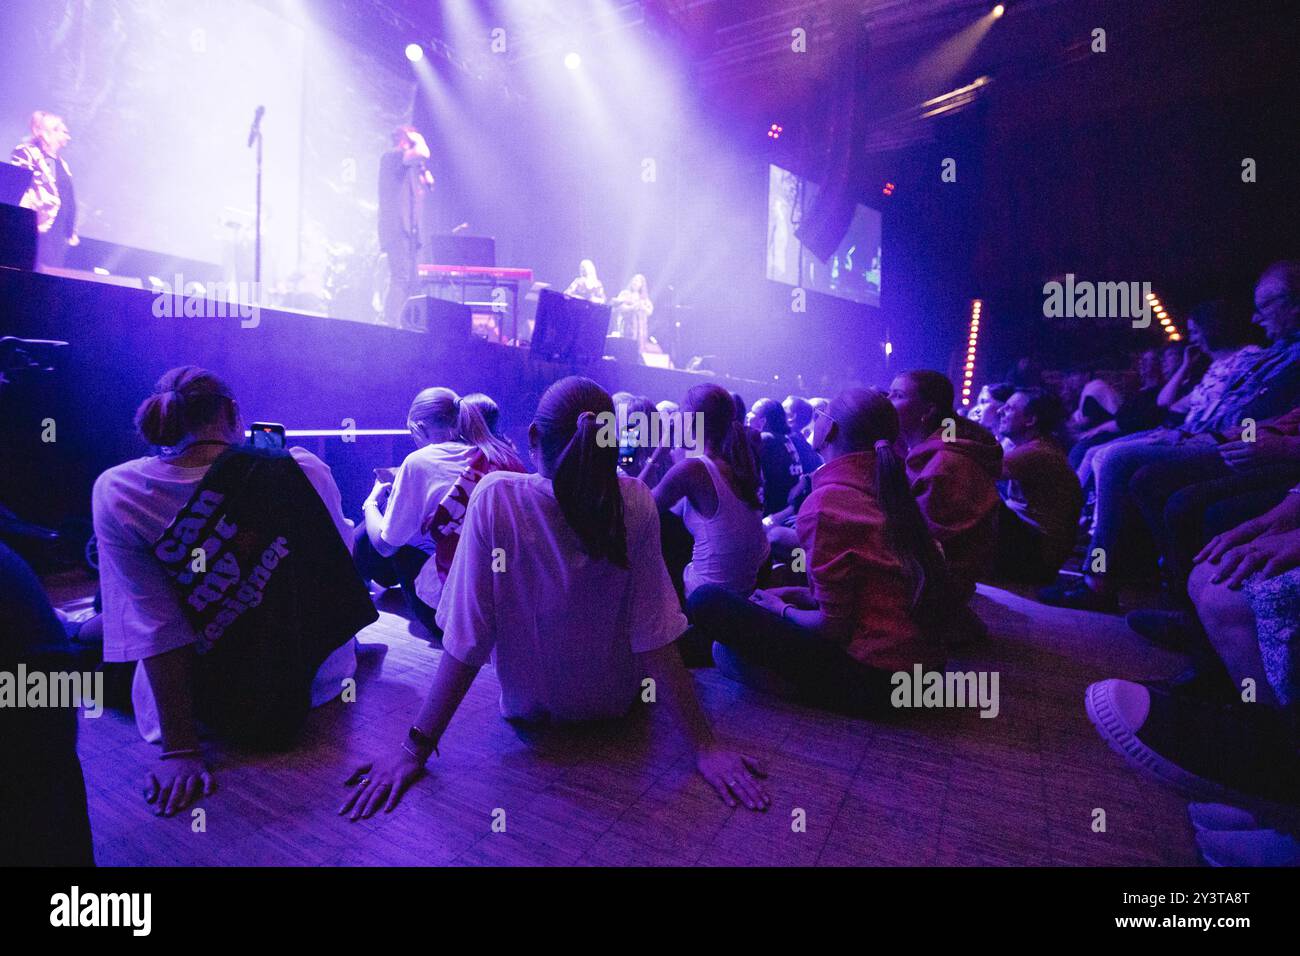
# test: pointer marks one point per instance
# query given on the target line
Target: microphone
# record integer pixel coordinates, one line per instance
(256, 129)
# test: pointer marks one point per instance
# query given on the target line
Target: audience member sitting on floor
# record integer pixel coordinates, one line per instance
(1259, 385)
(245, 653)
(443, 524)
(391, 545)
(988, 403)
(954, 466)
(43, 818)
(491, 412)
(799, 414)
(875, 577)
(778, 459)
(718, 496)
(1040, 513)
(1235, 740)
(560, 582)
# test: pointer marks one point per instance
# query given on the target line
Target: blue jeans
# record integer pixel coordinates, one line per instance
(1113, 469)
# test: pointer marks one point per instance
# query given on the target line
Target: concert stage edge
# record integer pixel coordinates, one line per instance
(305, 371)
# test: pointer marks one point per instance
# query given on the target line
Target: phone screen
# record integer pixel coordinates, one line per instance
(266, 435)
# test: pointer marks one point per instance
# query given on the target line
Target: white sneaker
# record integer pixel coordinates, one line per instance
(1248, 848)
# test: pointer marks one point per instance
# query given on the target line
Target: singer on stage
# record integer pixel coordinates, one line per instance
(587, 285)
(403, 180)
(50, 193)
(632, 309)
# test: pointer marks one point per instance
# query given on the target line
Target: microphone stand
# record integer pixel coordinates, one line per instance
(255, 134)
(257, 224)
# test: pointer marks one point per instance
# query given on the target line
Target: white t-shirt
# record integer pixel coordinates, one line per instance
(133, 504)
(561, 627)
(425, 477)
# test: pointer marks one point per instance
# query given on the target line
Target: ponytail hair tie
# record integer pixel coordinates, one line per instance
(884, 444)
(587, 416)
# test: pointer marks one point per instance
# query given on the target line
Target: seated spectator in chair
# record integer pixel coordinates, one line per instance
(1163, 378)
(1040, 513)
(954, 466)
(1252, 386)
(225, 573)
(558, 580)
(1185, 507)
(875, 578)
(391, 545)
(1235, 740)
(718, 494)
(778, 458)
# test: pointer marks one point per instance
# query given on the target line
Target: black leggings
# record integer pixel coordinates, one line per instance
(820, 673)
(401, 568)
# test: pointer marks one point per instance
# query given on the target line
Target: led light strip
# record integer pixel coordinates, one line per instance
(976, 306)
(1162, 314)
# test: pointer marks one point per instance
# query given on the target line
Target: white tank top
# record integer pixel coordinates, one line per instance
(731, 546)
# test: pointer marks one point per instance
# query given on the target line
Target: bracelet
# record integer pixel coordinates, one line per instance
(172, 754)
(784, 609)
(423, 758)
(421, 740)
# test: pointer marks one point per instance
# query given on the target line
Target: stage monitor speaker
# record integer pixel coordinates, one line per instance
(622, 349)
(568, 329)
(17, 237)
(463, 250)
(448, 322)
(14, 183)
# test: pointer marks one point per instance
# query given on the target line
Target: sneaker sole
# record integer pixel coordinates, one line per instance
(1145, 760)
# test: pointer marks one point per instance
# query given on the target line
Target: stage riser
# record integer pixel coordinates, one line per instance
(305, 371)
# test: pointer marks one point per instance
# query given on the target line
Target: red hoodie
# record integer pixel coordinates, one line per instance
(955, 483)
(852, 571)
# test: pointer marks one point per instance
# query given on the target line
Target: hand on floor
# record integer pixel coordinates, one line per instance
(380, 784)
(734, 775)
(172, 785)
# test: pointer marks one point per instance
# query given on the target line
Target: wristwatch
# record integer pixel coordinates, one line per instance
(423, 743)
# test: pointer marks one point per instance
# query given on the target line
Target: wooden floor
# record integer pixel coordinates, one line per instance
(938, 788)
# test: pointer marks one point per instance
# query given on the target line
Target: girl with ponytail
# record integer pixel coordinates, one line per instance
(442, 524)
(560, 581)
(191, 420)
(717, 488)
(876, 580)
(393, 544)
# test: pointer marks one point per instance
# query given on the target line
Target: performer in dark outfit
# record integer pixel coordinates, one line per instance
(403, 179)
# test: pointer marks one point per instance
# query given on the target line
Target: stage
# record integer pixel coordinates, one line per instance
(305, 371)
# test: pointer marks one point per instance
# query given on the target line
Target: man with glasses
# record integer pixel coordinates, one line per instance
(1266, 388)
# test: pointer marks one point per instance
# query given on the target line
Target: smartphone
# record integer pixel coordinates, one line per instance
(266, 435)
(385, 475)
(627, 451)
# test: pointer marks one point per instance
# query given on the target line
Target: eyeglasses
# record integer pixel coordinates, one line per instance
(1270, 305)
